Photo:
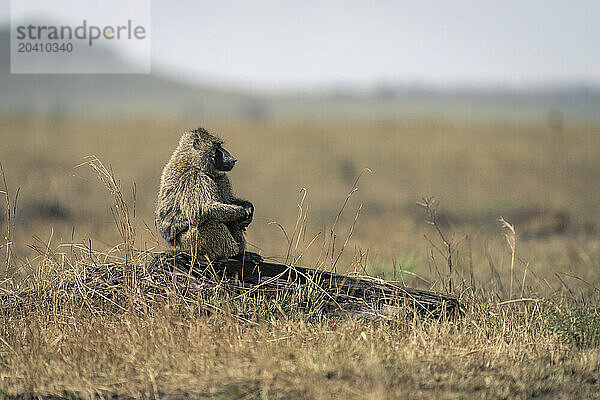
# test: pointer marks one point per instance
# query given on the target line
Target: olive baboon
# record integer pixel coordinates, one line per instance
(197, 210)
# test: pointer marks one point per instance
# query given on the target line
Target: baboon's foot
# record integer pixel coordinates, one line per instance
(168, 258)
(249, 257)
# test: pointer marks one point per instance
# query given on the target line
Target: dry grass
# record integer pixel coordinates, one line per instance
(502, 356)
(532, 322)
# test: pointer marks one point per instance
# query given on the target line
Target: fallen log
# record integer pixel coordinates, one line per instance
(364, 296)
(164, 274)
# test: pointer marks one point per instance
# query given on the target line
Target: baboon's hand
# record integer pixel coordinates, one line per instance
(241, 213)
(249, 207)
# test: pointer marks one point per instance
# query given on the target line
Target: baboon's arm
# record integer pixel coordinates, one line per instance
(227, 192)
(249, 207)
(222, 212)
(199, 203)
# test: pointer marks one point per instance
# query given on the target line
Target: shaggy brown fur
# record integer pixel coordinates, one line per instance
(197, 211)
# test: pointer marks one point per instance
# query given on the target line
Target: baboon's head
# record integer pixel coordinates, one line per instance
(206, 151)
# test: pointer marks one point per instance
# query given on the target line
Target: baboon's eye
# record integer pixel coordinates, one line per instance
(197, 143)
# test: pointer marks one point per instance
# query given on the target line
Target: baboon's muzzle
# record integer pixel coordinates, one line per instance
(224, 161)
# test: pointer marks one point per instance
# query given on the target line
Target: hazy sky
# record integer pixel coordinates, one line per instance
(275, 44)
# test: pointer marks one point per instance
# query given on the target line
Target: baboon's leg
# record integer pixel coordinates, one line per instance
(237, 231)
(212, 239)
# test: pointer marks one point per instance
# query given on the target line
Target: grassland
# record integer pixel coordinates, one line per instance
(532, 328)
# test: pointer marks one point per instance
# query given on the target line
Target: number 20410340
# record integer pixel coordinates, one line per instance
(44, 47)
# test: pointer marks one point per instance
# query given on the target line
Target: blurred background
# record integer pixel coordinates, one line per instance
(491, 107)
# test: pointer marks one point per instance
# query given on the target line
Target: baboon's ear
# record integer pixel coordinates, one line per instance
(197, 143)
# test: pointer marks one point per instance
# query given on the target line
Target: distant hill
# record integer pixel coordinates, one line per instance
(157, 95)
(552, 105)
(112, 94)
